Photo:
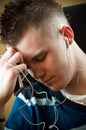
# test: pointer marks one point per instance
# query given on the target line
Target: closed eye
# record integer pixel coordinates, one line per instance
(40, 58)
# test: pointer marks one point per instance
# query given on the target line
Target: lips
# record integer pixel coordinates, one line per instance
(48, 80)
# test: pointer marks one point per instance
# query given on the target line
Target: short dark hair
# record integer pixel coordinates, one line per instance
(21, 15)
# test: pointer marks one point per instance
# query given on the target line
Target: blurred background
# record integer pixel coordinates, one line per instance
(64, 3)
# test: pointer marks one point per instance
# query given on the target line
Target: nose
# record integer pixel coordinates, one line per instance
(38, 73)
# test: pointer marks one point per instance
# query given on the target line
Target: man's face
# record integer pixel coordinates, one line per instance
(46, 57)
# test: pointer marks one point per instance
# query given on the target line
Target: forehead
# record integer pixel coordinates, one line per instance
(33, 41)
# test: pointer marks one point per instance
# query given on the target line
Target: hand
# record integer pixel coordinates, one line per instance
(10, 64)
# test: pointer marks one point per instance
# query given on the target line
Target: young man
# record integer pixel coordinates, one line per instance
(38, 37)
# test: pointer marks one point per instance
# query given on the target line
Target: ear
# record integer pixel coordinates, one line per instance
(68, 33)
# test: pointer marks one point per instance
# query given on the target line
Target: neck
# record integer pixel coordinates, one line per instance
(77, 86)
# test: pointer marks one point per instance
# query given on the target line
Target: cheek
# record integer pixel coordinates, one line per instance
(58, 66)
(51, 64)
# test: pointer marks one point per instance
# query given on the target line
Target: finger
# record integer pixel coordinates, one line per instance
(16, 70)
(16, 59)
(8, 54)
(21, 67)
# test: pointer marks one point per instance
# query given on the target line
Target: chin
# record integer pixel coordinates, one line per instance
(55, 88)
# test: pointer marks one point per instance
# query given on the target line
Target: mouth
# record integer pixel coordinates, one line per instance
(48, 81)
